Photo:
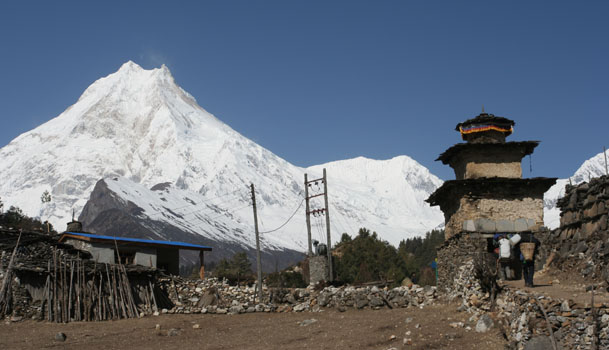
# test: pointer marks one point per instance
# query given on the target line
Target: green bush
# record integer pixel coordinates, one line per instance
(285, 279)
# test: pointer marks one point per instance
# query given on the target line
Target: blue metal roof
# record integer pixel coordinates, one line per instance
(182, 245)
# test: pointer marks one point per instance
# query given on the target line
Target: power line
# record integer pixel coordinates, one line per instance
(290, 218)
(341, 218)
(319, 227)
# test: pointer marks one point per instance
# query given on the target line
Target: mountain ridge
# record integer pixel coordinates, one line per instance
(139, 126)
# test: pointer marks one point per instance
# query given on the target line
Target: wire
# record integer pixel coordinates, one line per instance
(290, 218)
(319, 228)
(341, 218)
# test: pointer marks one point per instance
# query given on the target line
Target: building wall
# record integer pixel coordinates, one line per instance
(474, 165)
(478, 170)
(318, 269)
(102, 253)
(169, 260)
(146, 257)
(497, 212)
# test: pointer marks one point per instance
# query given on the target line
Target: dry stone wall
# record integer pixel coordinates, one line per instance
(214, 296)
(519, 315)
(455, 253)
(581, 243)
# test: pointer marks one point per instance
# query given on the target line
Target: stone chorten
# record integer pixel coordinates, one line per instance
(489, 194)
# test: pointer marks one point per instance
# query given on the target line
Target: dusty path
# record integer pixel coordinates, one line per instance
(353, 329)
(562, 286)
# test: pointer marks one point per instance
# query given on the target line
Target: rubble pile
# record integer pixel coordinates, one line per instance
(581, 243)
(214, 296)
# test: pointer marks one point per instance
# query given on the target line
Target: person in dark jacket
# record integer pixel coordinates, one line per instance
(528, 266)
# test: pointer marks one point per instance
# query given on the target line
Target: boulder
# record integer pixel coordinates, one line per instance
(484, 324)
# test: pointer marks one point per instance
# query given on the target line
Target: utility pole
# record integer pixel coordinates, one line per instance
(307, 215)
(258, 264)
(316, 212)
(328, 226)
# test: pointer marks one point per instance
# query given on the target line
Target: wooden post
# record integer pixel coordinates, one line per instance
(330, 270)
(202, 262)
(306, 183)
(258, 263)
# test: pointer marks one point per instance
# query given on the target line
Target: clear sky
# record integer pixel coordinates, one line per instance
(317, 81)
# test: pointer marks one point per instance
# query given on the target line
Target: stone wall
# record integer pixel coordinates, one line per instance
(581, 243)
(456, 252)
(579, 246)
(518, 313)
(475, 170)
(217, 297)
(496, 210)
(584, 209)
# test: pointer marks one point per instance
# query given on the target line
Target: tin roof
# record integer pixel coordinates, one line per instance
(131, 241)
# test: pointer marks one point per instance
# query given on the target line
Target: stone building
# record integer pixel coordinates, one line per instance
(489, 194)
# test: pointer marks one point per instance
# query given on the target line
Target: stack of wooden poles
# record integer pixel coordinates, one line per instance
(77, 292)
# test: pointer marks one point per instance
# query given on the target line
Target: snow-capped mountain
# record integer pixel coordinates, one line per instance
(156, 148)
(591, 168)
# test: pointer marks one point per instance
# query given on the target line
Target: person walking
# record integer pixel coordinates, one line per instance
(528, 263)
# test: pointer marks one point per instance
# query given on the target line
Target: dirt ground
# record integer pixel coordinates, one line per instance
(560, 285)
(410, 328)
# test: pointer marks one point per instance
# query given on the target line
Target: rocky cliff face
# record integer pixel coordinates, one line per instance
(106, 213)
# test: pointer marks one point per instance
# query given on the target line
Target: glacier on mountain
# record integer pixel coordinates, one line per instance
(139, 127)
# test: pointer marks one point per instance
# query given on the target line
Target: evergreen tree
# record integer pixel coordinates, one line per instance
(418, 253)
(367, 258)
(235, 270)
(15, 218)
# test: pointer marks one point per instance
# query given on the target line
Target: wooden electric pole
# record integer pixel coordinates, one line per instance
(308, 217)
(319, 212)
(328, 227)
(258, 263)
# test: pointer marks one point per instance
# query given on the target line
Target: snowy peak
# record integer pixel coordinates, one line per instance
(140, 127)
(363, 169)
(591, 168)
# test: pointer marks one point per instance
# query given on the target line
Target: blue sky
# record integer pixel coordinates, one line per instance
(316, 81)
